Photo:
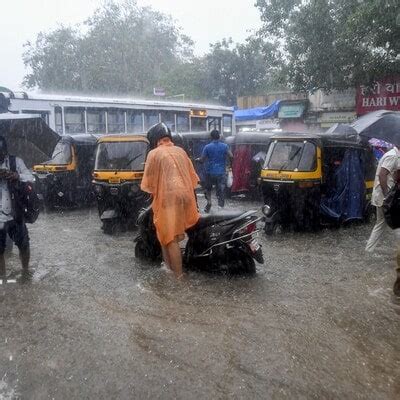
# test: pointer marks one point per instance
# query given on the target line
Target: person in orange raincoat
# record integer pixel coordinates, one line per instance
(171, 179)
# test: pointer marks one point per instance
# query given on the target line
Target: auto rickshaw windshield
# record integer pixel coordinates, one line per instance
(291, 156)
(122, 156)
(62, 154)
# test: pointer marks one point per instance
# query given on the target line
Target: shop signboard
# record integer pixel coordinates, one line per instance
(328, 119)
(295, 110)
(267, 124)
(382, 95)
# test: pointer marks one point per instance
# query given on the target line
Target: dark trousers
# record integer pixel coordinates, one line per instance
(220, 182)
(18, 233)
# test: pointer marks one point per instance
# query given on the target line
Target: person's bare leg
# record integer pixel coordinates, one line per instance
(165, 255)
(175, 256)
(2, 266)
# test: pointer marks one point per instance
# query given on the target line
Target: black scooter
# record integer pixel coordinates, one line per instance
(217, 243)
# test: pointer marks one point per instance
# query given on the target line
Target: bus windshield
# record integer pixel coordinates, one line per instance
(291, 156)
(62, 154)
(122, 156)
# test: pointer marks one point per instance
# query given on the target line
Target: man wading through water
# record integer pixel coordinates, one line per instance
(170, 178)
(385, 178)
(11, 219)
(216, 155)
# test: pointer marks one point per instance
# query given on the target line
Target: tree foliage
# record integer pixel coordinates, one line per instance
(53, 60)
(127, 49)
(228, 70)
(332, 44)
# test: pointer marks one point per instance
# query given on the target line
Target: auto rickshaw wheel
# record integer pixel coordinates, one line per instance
(370, 214)
(108, 227)
(273, 228)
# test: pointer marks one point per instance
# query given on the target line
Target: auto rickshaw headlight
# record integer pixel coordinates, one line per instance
(266, 210)
(98, 189)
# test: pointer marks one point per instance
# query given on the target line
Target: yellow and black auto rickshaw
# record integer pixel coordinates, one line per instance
(249, 150)
(309, 179)
(118, 171)
(65, 179)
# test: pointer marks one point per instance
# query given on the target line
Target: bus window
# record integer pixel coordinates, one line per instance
(134, 121)
(96, 121)
(227, 123)
(74, 120)
(116, 121)
(168, 117)
(198, 124)
(151, 118)
(182, 121)
(58, 120)
(214, 123)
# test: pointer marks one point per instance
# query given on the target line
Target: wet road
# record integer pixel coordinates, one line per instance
(318, 321)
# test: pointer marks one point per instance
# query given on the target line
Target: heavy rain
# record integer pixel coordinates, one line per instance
(190, 209)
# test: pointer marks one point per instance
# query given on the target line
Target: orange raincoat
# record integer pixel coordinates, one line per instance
(170, 177)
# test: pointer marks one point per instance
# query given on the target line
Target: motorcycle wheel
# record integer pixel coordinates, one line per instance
(240, 262)
(140, 251)
(143, 252)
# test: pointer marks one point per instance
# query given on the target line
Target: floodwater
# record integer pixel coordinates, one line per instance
(317, 321)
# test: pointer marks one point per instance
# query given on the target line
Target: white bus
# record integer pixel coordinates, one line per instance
(75, 114)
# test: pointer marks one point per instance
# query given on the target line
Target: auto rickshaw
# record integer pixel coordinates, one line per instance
(65, 179)
(118, 171)
(311, 179)
(249, 150)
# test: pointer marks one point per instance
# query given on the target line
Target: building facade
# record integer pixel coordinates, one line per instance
(318, 111)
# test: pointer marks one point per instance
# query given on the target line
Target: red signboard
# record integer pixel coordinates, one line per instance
(383, 95)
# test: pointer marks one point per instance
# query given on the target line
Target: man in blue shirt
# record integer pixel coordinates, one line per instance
(216, 155)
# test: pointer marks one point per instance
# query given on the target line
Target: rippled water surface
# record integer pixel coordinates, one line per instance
(317, 320)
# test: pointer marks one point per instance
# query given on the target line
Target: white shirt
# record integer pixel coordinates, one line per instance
(391, 162)
(5, 199)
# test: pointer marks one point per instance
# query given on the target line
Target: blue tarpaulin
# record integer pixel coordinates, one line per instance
(252, 114)
(345, 201)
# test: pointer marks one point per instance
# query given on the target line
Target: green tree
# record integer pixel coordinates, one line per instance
(125, 49)
(233, 70)
(53, 60)
(228, 70)
(332, 44)
(186, 78)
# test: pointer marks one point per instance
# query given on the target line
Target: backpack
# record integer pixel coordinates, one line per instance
(25, 200)
(391, 207)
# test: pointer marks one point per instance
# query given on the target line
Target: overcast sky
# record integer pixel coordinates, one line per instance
(204, 21)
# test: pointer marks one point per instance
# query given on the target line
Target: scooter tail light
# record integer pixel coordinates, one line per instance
(251, 227)
(246, 230)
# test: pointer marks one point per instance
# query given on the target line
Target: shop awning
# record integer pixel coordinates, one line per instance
(254, 114)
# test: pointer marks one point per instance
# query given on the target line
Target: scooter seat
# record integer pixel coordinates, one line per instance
(210, 219)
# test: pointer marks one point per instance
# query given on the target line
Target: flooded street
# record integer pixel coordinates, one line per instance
(317, 321)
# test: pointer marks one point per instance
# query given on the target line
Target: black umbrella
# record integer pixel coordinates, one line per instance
(343, 132)
(382, 124)
(342, 129)
(28, 137)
